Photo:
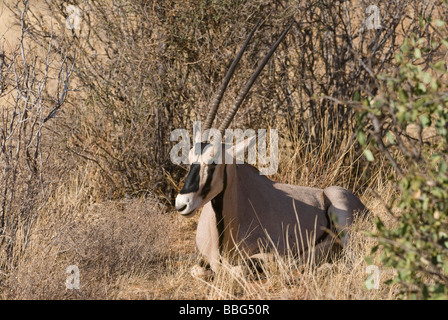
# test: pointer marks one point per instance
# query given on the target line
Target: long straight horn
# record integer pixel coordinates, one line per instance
(240, 98)
(222, 88)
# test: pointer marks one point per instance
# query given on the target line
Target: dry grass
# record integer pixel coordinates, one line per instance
(137, 248)
(133, 249)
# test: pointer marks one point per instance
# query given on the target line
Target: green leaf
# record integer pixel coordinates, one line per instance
(436, 192)
(402, 95)
(405, 46)
(445, 43)
(417, 53)
(365, 102)
(425, 120)
(390, 137)
(421, 22)
(426, 77)
(434, 84)
(361, 137)
(399, 56)
(425, 205)
(368, 260)
(369, 155)
(421, 87)
(440, 66)
(435, 158)
(404, 183)
(439, 23)
(379, 224)
(442, 168)
(415, 184)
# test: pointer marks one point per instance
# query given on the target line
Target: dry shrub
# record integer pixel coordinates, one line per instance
(146, 68)
(34, 84)
(106, 242)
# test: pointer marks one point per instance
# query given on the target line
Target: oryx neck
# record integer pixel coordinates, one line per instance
(218, 207)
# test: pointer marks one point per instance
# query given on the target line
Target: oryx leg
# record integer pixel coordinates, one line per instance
(207, 241)
(317, 254)
(251, 266)
(323, 250)
(320, 252)
(342, 219)
(202, 270)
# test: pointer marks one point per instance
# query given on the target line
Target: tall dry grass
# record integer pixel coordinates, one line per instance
(131, 249)
(108, 241)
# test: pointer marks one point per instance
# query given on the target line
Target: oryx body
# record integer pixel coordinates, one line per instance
(243, 211)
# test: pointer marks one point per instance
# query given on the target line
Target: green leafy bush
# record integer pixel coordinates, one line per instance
(407, 122)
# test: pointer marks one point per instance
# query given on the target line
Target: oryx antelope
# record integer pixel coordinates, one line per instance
(243, 210)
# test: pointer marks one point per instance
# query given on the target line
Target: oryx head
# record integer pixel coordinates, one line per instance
(205, 177)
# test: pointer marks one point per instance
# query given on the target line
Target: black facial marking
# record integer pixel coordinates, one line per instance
(193, 177)
(208, 182)
(217, 204)
(192, 181)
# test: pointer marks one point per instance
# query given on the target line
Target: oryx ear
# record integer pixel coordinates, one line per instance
(237, 151)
